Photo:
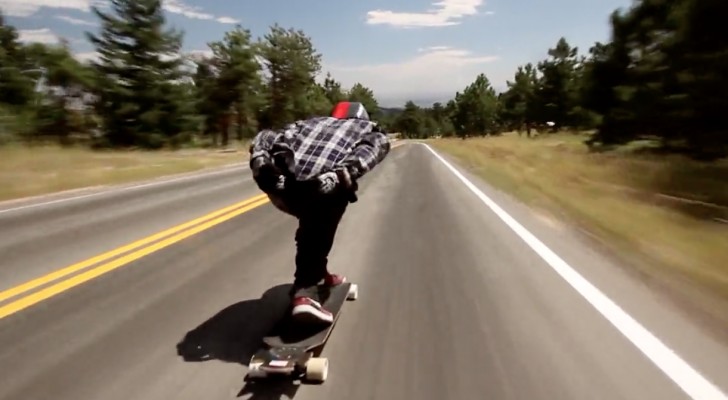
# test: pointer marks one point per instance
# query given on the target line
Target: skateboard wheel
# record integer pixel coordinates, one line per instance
(317, 369)
(254, 371)
(353, 292)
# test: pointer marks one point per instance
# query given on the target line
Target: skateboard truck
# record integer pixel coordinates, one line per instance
(296, 359)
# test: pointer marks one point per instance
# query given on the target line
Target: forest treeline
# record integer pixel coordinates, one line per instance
(659, 77)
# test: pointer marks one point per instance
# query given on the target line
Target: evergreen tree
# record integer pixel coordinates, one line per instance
(16, 83)
(292, 63)
(139, 71)
(365, 96)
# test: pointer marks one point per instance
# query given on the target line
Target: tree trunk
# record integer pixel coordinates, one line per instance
(241, 120)
(225, 129)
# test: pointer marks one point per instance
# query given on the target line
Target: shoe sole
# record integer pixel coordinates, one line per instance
(311, 316)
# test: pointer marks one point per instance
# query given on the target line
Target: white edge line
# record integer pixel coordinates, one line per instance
(677, 369)
(155, 182)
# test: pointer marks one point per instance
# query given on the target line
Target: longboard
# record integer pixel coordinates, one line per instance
(288, 347)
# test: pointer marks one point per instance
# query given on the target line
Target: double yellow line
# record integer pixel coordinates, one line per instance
(106, 262)
(135, 250)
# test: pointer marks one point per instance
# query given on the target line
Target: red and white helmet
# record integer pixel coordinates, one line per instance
(349, 109)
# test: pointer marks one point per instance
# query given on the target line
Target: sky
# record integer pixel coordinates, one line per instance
(421, 50)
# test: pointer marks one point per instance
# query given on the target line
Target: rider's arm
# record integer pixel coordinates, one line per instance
(260, 149)
(267, 142)
(369, 151)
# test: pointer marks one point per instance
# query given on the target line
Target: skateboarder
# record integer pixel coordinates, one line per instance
(309, 169)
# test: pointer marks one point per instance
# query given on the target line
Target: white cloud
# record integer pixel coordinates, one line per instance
(94, 56)
(227, 20)
(200, 53)
(24, 8)
(87, 56)
(435, 72)
(193, 54)
(431, 74)
(181, 8)
(443, 13)
(75, 21)
(37, 36)
(432, 48)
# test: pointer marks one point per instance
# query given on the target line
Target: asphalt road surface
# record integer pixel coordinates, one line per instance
(463, 294)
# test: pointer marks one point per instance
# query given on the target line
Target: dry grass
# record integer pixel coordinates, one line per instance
(29, 171)
(668, 212)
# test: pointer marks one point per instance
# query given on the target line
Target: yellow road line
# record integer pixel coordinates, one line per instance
(62, 286)
(40, 281)
(140, 249)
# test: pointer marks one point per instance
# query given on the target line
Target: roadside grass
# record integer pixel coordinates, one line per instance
(667, 215)
(36, 170)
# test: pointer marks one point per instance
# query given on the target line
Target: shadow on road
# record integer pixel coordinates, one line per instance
(234, 334)
(269, 389)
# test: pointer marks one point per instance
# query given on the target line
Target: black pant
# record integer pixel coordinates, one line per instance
(318, 219)
(317, 225)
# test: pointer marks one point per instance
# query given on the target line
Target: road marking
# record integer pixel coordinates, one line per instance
(685, 376)
(219, 216)
(116, 189)
(76, 280)
(154, 182)
(32, 284)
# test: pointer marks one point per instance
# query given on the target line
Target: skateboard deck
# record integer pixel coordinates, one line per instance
(289, 345)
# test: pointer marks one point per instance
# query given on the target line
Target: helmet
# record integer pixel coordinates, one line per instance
(348, 109)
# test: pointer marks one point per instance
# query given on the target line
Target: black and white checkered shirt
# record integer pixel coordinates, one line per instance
(322, 144)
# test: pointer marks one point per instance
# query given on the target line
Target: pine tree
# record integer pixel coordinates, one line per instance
(139, 68)
(292, 62)
(16, 87)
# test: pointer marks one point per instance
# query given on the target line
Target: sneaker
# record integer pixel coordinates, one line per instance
(309, 311)
(334, 280)
(310, 292)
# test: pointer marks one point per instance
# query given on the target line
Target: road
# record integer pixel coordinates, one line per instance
(464, 294)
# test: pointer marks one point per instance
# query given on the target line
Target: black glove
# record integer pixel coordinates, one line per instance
(339, 178)
(267, 176)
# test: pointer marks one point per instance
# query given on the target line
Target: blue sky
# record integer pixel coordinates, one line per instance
(403, 49)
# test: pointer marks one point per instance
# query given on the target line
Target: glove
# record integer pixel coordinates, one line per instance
(338, 178)
(280, 183)
(267, 176)
(328, 182)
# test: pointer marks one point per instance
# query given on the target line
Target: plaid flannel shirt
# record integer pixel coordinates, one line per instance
(318, 145)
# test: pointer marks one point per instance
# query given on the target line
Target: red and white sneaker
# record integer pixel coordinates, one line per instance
(309, 311)
(334, 280)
